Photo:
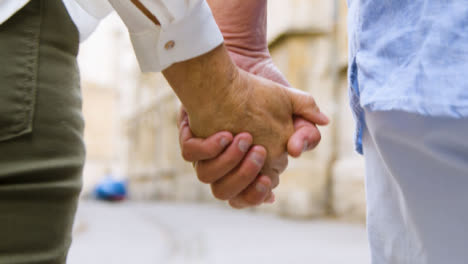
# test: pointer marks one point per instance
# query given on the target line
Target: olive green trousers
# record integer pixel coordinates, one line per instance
(41, 125)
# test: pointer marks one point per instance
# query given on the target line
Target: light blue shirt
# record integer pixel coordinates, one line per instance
(409, 55)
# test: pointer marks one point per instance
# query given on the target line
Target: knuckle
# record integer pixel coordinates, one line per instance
(316, 137)
(204, 178)
(187, 155)
(201, 173)
(219, 194)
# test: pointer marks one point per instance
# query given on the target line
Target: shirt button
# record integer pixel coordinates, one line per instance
(169, 45)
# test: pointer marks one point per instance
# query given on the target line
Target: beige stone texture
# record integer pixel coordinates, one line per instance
(299, 16)
(99, 104)
(102, 130)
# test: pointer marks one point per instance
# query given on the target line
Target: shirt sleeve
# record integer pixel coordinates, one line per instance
(187, 30)
(87, 14)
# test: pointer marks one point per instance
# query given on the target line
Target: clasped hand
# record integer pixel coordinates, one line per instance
(260, 113)
(261, 120)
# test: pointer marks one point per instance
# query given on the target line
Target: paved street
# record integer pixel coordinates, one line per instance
(168, 233)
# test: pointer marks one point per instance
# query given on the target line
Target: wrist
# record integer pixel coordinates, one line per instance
(203, 82)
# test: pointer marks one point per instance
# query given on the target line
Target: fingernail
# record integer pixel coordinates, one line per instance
(260, 187)
(257, 159)
(305, 147)
(244, 145)
(223, 142)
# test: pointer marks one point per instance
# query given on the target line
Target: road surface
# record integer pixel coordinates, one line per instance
(171, 233)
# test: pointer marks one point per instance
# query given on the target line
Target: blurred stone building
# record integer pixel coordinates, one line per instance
(101, 133)
(108, 70)
(308, 43)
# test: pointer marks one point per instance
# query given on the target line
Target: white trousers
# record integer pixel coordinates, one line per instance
(416, 188)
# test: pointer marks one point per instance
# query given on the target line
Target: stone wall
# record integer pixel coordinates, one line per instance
(102, 132)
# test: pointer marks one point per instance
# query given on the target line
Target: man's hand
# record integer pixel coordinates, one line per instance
(262, 108)
(218, 96)
(243, 24)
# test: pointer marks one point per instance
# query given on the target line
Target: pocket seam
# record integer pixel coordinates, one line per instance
(27, 87)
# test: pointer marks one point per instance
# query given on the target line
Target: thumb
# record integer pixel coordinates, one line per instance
(303, 104)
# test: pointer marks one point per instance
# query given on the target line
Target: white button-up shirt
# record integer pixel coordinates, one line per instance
(187, 28)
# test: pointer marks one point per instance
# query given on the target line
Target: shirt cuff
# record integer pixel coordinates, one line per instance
(191, 36)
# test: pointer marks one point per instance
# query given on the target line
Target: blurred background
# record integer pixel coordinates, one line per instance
(164, 215)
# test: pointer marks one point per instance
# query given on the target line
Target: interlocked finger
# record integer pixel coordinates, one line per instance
(240, 178)
(210, 171)
(257, 193)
